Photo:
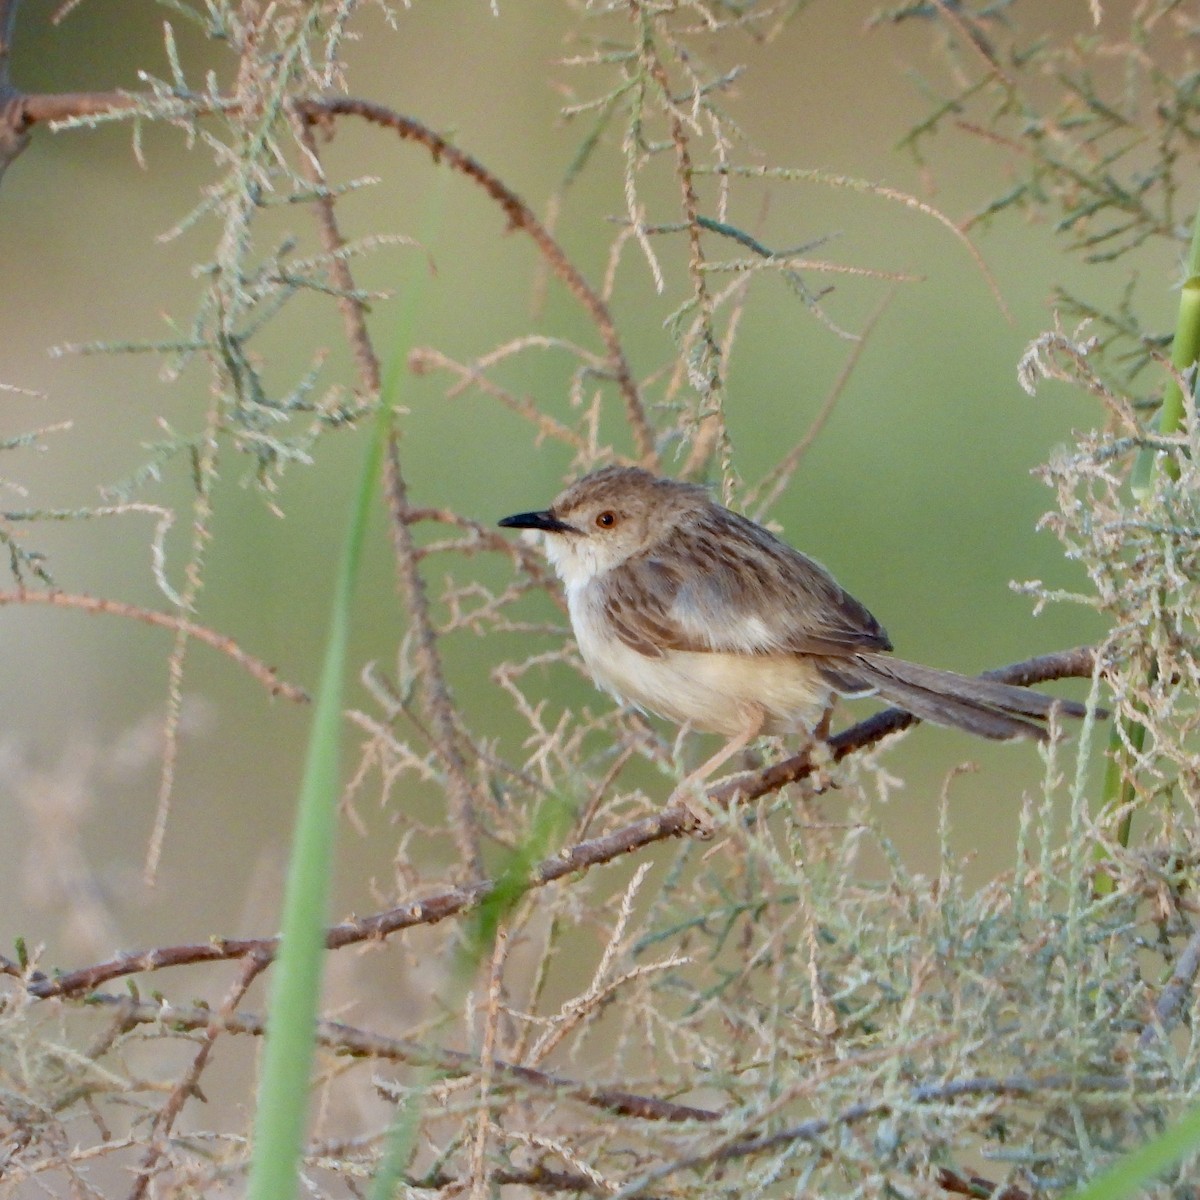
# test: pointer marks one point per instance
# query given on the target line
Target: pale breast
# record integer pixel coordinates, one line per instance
(711, 692)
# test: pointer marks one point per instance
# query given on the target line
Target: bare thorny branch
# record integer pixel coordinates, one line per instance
(671, 821)
(439, 707)
(359, 1043)
(28, 111)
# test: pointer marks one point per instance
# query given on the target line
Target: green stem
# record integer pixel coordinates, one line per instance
(1185, 351)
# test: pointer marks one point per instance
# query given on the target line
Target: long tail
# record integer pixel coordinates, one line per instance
(980, 706)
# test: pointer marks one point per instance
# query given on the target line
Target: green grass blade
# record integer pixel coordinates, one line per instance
(282, 1110)
(1136, 1170)
(283, 1093)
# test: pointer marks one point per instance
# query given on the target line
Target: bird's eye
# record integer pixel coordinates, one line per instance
(607, 519)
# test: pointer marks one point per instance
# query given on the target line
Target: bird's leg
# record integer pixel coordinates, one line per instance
(691, 793)
(820, 731)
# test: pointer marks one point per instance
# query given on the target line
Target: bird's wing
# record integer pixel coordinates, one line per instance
(743, 592)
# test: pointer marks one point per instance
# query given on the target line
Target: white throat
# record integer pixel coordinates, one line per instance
(575, 559)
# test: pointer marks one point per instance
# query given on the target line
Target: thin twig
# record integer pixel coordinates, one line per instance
(943, 1092)
(1078, 663)
(204, 472)
(959, 1184)
(910, 201)
(530, 560)
(709, 362)
(45, 108)
(976, 40)
(780, 475)
(362, 1043)
(428, 662)
(537, 1177)
(148, 616)
(487, 1064)
(187, 1086)
(426, 359)
(25, 111)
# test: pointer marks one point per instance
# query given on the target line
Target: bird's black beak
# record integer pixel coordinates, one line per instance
(544, 520)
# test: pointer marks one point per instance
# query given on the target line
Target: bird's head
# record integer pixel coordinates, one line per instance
(609, 517)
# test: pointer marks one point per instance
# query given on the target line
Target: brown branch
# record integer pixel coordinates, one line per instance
(439, 706)
(46, 108)
(1183, 979)
(777, 479)
(19, 113)
(484, 537)
(354, 320)
(974, 37)
(690, 202)
(1078, 663)
(427, 660)
(217, 641)
(537, 1177)
(362, 1043)
(975, 1185)
(520, 216)
(672, 821)
(425, 360)
(943, 1092)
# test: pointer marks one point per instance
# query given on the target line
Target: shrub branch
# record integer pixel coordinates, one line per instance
(670, 822)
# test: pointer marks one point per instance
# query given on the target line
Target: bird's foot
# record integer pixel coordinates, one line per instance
(692, 797)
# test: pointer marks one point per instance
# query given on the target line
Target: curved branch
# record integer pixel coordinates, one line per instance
(148, 616)
(520, 216)
(672, 821)
(19, 112)
(1179, 987)
(360, 1043)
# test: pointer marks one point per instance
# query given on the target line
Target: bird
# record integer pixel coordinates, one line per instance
(686, 609)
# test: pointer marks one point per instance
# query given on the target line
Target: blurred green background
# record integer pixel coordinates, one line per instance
(918, 494)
